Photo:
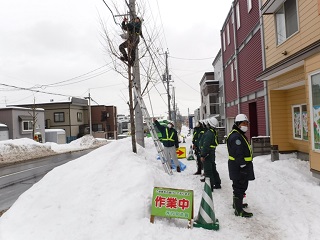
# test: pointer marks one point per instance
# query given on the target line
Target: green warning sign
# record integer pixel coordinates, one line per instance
(172, 203)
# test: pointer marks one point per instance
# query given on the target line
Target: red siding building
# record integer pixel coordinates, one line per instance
(242, 60)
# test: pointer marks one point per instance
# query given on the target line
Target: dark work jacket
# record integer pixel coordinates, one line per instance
(195, 138)
(239, 150)
(200, 134)
(169, 136)
(208, 142)
(132, 27)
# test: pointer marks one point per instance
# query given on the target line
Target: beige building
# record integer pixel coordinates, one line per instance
(292, 61)
(71, 116)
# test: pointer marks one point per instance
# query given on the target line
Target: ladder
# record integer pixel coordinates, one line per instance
(153, 132)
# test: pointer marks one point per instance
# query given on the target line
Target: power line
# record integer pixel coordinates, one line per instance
(193, 59)
(33, 90)
(68, 80)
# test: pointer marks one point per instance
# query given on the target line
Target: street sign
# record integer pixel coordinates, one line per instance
(172, 203)
(181, 152)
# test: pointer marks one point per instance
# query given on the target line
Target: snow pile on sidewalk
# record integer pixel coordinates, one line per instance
(106, 194)
(18, 150)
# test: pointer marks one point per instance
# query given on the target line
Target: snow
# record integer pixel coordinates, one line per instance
(107, 193)
(25, 148)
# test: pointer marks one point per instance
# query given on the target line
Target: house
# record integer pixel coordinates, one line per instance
(104, 121)
(4, 132)
(209, 88)
(20, 122)
(242, 61)
(218, 75)
(71, 116)
(292, 74)
(123, 123)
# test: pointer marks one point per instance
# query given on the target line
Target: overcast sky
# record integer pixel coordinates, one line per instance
(56, 47)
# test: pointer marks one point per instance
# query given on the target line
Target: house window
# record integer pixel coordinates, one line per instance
(300, 122)
(238, 15)
(214, 98)
(59, 117)
(224, 40)
(286, 20)
(315, 110)
(228, 34)
(214, 109)
(27, 125)
(104, 116)
(79, 116)
(249, 4)
(97, 127)
(231, 69)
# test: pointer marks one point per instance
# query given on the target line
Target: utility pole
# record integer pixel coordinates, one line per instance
(174, 117)
(139, 129)
(167, 77)
(90, 121)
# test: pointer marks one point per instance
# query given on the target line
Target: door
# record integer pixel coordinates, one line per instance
(253, 118)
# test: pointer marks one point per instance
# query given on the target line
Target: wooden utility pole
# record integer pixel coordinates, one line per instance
(168, 86)
(139, 129)
(133, 129)
(132, 78)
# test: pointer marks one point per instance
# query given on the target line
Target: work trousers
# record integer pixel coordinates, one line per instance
(210, 169)
(170, 153)
(131, 44)
(239, 187)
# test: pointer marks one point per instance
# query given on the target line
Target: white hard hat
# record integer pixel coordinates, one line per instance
(241, 117)
(170, 122)
(213, 122)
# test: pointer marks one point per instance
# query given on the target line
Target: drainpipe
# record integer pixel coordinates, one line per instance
(265, 85)
(236, 53)
(223, 77)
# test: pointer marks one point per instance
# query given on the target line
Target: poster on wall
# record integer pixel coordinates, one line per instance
(297, 122)
(304, 116)
(315, 102)
(316, 126)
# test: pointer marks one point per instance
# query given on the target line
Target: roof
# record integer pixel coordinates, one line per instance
(20, 108)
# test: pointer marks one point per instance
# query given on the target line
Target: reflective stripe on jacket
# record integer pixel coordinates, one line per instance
(246, 158)
(168, 138)
(208, 142)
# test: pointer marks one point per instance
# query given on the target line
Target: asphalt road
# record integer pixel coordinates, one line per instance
(16, 179)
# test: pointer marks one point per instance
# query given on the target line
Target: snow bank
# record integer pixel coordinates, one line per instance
(18, 150)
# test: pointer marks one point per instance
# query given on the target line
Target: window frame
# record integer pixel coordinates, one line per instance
(58, 120)
(232, 73)
(249, 4)
(281, 23)
(315, 145)
(224, 40)
(30, 125)
(238, 15)
(79, 116)
(228, 34)
(302, 120)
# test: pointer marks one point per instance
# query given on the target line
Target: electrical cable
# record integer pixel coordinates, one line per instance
(192, 59)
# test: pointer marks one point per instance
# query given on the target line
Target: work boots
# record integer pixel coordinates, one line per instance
(199, 167)
(124, 58)
(238, 206)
